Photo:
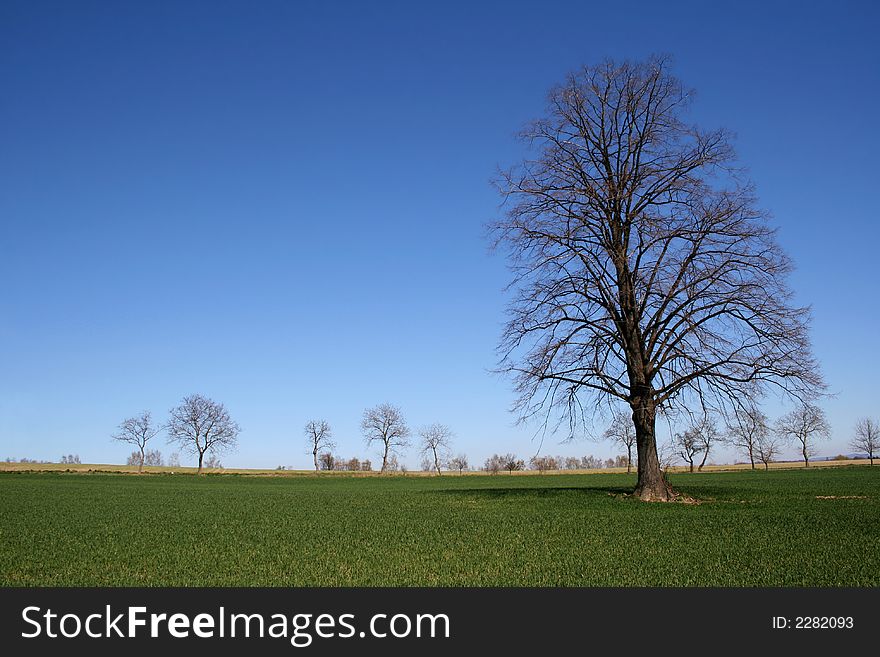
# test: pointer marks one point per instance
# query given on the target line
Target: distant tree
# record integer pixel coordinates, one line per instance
(201, 426)
(366, 465)
(153, 457)
(572, 463)
(138, 431)
(459, 462)
(512, 464)
(543, 463)
(745, 428)
(327, 461)
(212, 462)
(767, 447)
(867, 438)
(135, 458)
(494, 464)
(436, 441)
(803, 425)
(319, 437)
(590, 462)
(622, 432)
(393, 465)
(385, 424)
(353, 465)
(69, 459)
(706, 432)
(687, 446)
(666, 454)
(174, 460)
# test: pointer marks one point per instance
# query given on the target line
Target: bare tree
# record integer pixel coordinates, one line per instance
(138, 431)
(493, 464)
(767, 447)
(745, 428)
(512, 464)
(687, 445)
(327, 461)
(544, 463)
(200, 425)
(643, 270)
(867, 437)
(707, 436)
(666, 455)
(436, 442)
(319, 438)
(623, 433)
(385, 424)
(459, 462)
(801, 425)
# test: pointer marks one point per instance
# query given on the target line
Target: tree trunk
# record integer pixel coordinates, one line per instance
(806, 457)
(751, 457)
(201, 456)
(766, 466)
(315, 457)
(629, 459)
(384, 459)
(703, 462)
(141, 464)
(651, 486)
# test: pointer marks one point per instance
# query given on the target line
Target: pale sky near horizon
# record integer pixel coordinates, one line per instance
(281, 205)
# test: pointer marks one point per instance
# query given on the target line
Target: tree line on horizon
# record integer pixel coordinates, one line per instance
(205, 429)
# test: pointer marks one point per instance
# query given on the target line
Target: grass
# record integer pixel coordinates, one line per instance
(816, 527)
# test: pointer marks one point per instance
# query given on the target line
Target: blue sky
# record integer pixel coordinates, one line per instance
(281, 205)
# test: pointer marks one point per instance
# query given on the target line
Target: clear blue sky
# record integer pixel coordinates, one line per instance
(281, 205)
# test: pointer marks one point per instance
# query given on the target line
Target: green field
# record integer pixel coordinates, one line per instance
(816, 527)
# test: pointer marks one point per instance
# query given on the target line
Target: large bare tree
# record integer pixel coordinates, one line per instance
(436, 441)
(319, 437)
(622, 432)
(138, 431)
(867, 437)
(803, 425)
(644, 273)
(385, 424)
(746, 426)
(200, 425)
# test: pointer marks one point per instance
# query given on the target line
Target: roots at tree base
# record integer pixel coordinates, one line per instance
(657, 490)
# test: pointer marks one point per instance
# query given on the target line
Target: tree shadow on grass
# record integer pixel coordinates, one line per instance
(695, 494)
(535, 491)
